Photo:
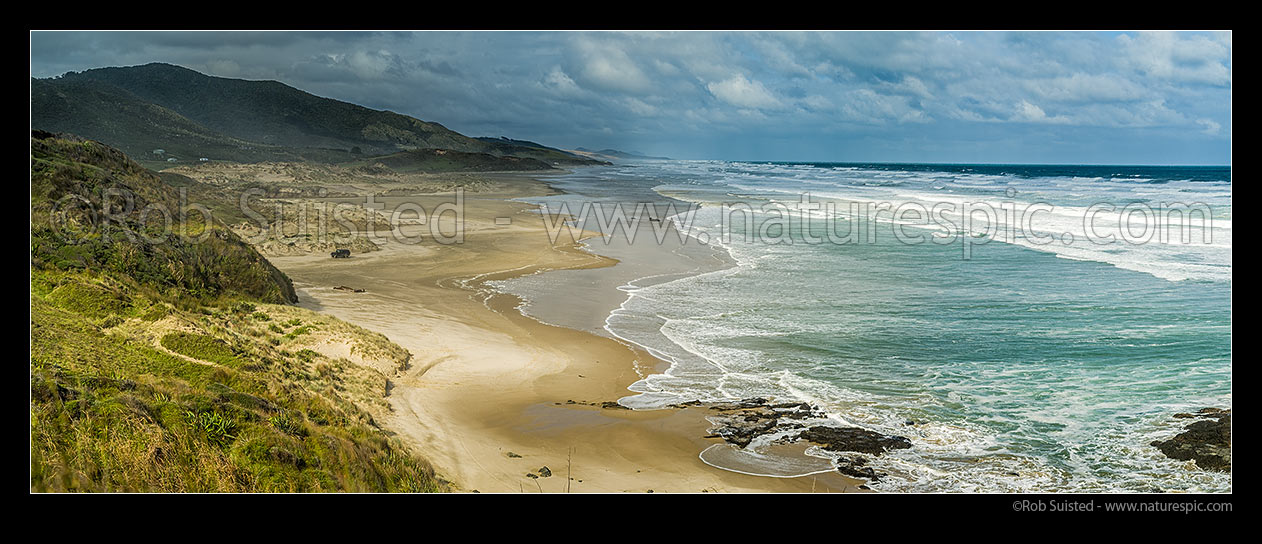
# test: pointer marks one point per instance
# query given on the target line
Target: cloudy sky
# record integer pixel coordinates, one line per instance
(1118, 97)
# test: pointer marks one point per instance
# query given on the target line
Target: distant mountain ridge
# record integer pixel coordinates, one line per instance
(157, 106)
(606, 154)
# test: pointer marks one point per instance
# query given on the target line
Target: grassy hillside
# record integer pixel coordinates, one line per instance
(158, 365)
(72, 180)
(133, 394)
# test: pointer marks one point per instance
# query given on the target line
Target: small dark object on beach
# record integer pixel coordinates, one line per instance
(545, 472)
(340, 253)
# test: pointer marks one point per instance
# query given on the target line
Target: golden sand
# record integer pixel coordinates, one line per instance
(486, 396)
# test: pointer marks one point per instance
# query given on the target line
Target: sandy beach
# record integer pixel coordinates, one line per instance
(491, 395)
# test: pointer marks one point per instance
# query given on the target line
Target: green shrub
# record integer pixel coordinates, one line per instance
(305, 329)
(216, 428)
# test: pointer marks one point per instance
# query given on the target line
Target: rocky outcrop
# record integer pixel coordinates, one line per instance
(854, 466)
(1206, 441)
(853, 439)
(742, 422)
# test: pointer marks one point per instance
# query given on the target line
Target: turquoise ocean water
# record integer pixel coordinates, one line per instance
(1041, 357)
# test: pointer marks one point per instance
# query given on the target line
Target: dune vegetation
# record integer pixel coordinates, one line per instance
(171, 362)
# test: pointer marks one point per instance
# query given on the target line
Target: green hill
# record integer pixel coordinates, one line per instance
(103, 112)
(162, 106)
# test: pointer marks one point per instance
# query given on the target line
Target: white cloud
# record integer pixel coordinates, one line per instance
(913, 86)
(868, 106)
(607, 66)
(665, 68)
(1178, 57)
(741, 92)
(1081, 87)
(639, 107)
(370, 64)
(1211, 127)
(1031, 113)
(818, 103)
(561, 83)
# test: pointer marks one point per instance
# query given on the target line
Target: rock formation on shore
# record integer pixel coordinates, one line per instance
(1206, 441)
(742, 422)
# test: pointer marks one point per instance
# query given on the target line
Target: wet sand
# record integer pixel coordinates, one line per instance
(487, 396)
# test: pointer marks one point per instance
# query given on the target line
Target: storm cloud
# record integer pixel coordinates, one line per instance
(1042, 97)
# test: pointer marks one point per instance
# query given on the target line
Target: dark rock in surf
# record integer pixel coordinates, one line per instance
(1207, 441)
(855, 466)
(853, 439)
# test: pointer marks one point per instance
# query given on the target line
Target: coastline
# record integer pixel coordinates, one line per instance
(493, 395)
